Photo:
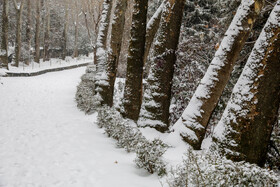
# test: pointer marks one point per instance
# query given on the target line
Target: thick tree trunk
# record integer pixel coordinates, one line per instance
(193, 123)
(156, 102)
(102, 34)
(5, 29)
(107, 90)
(47, 33)
(135, 61)
(28, 32)
(64, 34)
(244, 131)
(37, 31)
(18, 31)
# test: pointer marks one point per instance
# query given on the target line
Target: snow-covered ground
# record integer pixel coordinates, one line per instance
(46, 141)
(50, 64)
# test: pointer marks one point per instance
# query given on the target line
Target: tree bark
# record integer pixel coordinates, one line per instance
(47, 33)
(156, 102)
(18, 30)
(193, 123)
(64, 34)
(37, 31)
(5, 29)
(76, 23)
(105, 84)
(102, 33)
(152, 28)
(135, 61)
(244, 131)
(28, 32)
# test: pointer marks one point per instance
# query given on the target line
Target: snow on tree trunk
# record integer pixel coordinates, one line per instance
(156, 101)
(135, 61)
(102, 33)
(194, 120)
(5, 28)
(244, 131)
(19, 10)
(37, 32)
(108, 62)
(152, 28)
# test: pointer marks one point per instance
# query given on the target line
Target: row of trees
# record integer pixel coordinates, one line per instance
(244, 131)
(44, 28)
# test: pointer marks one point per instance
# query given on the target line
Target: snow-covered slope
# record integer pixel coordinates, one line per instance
(45, 141)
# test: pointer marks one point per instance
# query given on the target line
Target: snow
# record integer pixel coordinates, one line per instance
(243, 93)
(210, 80)
(53, 63)
(46, 141)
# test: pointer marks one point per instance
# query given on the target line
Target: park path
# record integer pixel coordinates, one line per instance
(46, 141)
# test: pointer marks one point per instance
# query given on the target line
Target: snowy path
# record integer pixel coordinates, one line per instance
(45, 141)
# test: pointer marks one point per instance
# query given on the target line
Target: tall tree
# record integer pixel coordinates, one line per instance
(103, 32)
(244, 131)
(135, 61)
(196, 116)
(155, 106)
(152, 28)
(65, 30)
(76, 25)
(28, 36)
(46, 56)
(113, 53)
(5, 29)
(37, 31)
(18, 7)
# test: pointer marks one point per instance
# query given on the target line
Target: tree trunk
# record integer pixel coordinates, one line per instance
(102, 34)
(135, 61)
(76, 53)
(47, 33)
(37, 31)
(156, 102)
(18, 31)
(105, 84)
(28, 32)
(244, 131)
(5, 29)
(196, 116)
(152, 28)
(64, 34)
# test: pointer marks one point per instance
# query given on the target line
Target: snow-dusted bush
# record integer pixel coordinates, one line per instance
(148, 154)
(211, 169)
(86, 101)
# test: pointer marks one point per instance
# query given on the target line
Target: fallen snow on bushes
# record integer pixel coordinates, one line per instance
(46, 141)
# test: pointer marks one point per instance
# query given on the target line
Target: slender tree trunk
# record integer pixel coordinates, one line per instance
(64, 34)
(135, 61)
(5, 29)
(28, 32)
(47, 33)
(244, 131)
(76, 53)
(18, 30)
(152, 28)
(156, 102)
(198, 112)
(37, 31)
(105, 84)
